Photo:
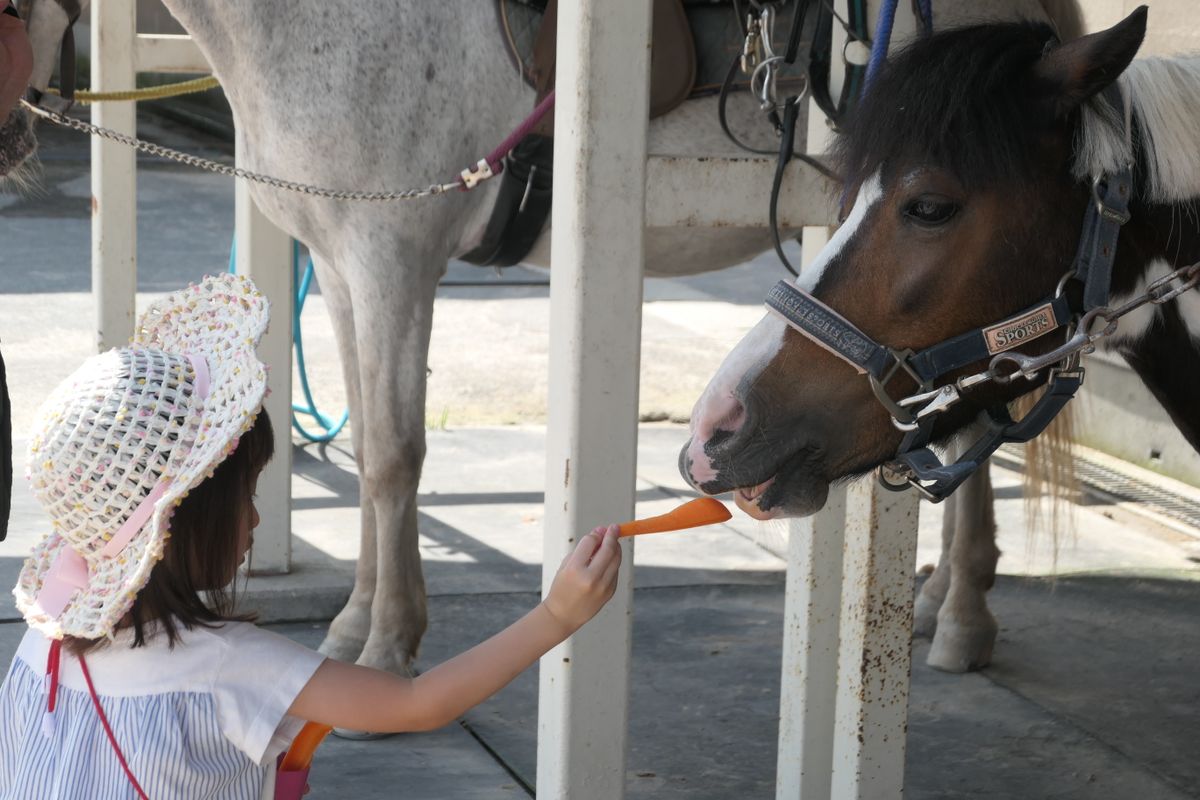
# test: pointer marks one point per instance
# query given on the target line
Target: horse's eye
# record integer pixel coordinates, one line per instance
(931, 210)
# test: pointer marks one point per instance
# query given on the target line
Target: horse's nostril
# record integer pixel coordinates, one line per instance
(718, 437)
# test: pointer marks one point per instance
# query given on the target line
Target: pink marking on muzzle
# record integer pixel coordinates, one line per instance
(722, 412)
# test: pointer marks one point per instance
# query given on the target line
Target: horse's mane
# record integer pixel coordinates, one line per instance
(1166, 116)
(960, 98)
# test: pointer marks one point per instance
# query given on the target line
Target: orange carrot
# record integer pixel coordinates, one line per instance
(300, 754)
(692, 514)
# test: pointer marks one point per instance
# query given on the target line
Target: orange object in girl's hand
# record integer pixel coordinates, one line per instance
(692, 514)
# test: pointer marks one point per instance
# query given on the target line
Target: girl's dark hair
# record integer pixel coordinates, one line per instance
(194, 583)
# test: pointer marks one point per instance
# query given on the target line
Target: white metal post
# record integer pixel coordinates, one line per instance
(875, 653)
(809, 681)
(114, 177)
(264, 253)
(595, 317)
(808, 687)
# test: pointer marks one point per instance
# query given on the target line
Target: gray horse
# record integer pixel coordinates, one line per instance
(382, 95)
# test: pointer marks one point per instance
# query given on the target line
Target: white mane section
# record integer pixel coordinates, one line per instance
(1166, 107)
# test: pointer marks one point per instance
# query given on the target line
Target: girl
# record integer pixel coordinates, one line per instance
(136, 678)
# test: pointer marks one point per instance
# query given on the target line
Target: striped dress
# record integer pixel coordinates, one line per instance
(206, 719)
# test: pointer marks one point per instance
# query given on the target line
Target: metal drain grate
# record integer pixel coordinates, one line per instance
(1121, 486)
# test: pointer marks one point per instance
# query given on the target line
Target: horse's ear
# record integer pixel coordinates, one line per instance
(1076, 70)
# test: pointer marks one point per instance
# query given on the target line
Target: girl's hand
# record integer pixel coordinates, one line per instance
(586, 580)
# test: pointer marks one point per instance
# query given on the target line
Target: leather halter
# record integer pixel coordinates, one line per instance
(915, 464)
(62, 102)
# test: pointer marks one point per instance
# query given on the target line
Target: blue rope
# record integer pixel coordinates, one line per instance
(883, 37)
(330, 427)
(926, 7)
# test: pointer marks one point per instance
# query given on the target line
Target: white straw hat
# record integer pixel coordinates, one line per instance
(117, 446)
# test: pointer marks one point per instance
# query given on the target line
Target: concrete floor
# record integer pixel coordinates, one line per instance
(1092, 693)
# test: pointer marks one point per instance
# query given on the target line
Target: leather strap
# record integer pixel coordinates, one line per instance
(982, 343)
(829, 329)
(841, 337)
(1098, 247)
(938, 481)
(522, 206)
(1108, 211)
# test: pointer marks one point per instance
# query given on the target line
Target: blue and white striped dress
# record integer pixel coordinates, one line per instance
(206, 719)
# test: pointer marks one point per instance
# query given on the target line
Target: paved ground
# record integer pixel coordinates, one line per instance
(1092, 693)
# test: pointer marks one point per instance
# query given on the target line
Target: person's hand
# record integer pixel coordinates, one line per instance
(16, 62)
(586, 580)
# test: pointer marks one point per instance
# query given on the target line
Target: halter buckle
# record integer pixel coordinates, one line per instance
(472, 177)
(1108, 212)
(902, 418)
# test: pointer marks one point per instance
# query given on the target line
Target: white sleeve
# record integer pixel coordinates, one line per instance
(260, 675)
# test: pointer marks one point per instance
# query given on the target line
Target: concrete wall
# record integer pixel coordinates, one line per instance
(1116, 415)
(1174, 25)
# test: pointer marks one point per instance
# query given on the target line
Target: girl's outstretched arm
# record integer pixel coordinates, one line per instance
(361, 698)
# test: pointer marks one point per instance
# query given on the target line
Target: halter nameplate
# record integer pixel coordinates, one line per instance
(1015, 332)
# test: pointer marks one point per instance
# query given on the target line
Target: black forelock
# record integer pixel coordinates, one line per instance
(960, 99)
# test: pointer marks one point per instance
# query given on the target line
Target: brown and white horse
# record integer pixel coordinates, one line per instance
(969, 169)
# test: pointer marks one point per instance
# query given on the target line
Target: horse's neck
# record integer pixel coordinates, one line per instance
(1162, 343)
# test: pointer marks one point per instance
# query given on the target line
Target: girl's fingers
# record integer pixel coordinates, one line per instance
(610, 549)
(609, 576)
(587, 547)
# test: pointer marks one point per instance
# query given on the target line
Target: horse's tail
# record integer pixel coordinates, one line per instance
(1050, 486)
(1066, 17)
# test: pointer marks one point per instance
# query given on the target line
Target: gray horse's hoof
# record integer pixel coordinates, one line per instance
(387, 657)
(340, 649)
(925, 612)
(959, 648)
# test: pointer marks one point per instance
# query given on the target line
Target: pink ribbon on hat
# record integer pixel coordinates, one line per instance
(69, 572)
(66, 575)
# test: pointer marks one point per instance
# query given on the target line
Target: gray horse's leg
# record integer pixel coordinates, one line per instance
(933, 591)
(349, 630)
(965, 629)
(393, 316)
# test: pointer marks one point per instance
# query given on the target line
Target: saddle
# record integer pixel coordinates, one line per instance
(693, 44)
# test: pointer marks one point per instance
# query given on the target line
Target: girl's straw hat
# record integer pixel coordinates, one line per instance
(118, 445)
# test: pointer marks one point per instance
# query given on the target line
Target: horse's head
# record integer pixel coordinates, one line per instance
(46, 22)
(960, 209)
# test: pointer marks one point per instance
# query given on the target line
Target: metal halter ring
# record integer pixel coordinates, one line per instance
(1119, 217)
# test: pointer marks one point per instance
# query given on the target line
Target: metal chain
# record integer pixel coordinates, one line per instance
(236, 172)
